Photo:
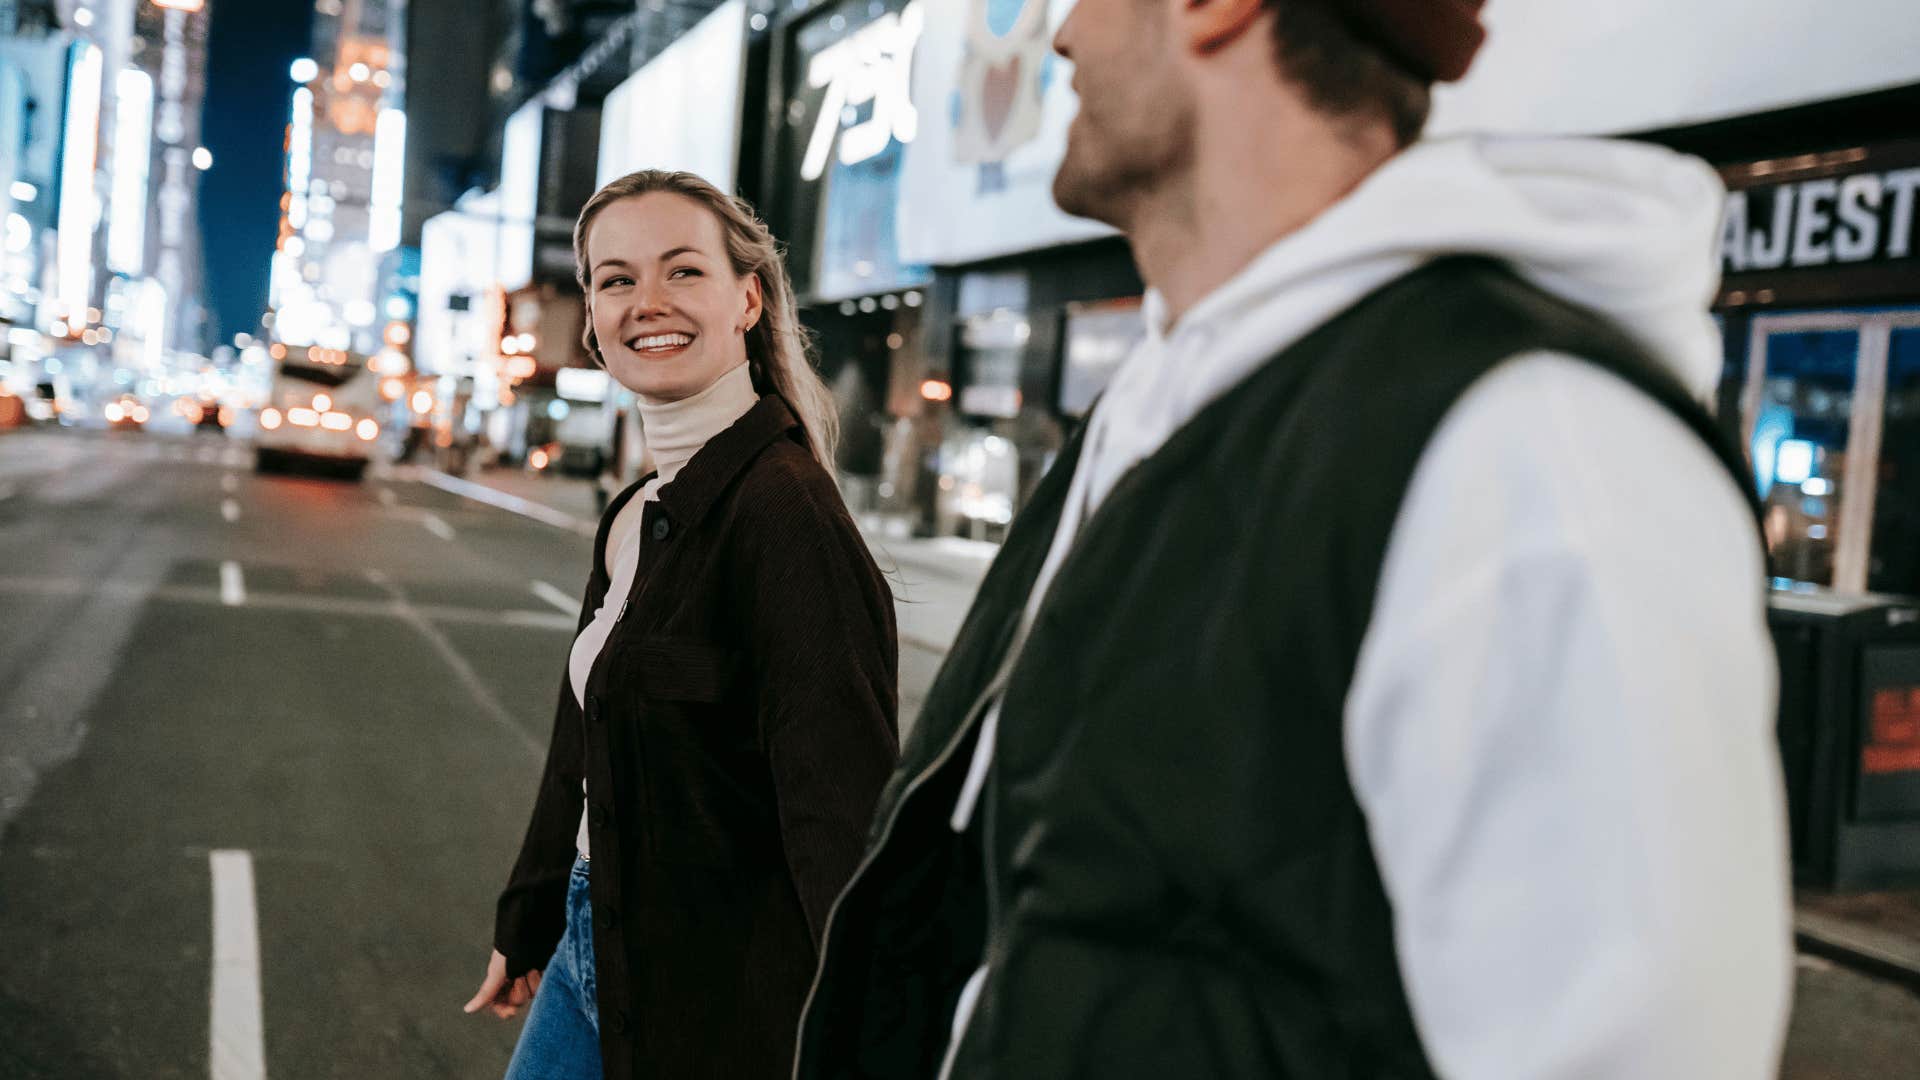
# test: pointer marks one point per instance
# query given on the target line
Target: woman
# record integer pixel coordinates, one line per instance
(728, 713)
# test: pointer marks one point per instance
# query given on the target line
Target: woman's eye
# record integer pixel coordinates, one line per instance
(687, 271)
(616, 280)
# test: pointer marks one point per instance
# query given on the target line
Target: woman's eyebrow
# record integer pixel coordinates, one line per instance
(604, 263)
(679, 251)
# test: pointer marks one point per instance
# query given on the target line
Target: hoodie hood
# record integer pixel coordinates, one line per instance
(1625, 229)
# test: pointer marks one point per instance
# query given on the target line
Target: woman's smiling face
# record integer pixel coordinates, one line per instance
(667, 309)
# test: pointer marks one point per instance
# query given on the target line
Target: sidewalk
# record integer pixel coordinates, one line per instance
(1878, 931)
(934, 581)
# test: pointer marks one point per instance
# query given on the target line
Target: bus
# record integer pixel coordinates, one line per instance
(323, 411)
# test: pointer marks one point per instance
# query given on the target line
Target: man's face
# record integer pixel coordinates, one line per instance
(1134, 131)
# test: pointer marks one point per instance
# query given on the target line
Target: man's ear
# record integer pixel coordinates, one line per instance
(1210, 25)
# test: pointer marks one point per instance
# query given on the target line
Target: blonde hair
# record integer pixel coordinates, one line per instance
(777, 345)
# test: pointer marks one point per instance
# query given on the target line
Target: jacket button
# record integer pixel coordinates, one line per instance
(661, 528)
(604, 919)
(599, 814)
(593, 712)
(620, 1023)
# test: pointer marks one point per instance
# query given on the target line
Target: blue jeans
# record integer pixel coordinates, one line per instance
(562, 1038)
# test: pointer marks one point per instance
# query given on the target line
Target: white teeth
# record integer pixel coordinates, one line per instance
(660, 341)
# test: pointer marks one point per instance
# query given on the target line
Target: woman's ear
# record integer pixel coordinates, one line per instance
(755, 304)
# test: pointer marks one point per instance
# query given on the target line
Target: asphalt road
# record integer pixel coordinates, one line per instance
(361, 708)
(351, 685)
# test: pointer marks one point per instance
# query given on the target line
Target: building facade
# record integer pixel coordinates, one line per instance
(341, 214)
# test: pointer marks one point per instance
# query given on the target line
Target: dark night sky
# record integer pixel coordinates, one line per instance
(251, 44)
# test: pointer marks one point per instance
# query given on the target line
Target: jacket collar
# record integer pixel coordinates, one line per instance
(725, 456)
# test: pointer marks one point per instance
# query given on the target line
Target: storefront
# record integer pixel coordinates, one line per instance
(912, 153)
(836, 140)
(1820, 308)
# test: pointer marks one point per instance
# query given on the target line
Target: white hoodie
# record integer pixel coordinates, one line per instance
(1561, 724)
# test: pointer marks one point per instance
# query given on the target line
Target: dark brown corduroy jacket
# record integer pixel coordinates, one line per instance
(738, 727)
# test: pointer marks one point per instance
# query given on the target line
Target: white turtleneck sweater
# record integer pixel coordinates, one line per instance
(675, 431)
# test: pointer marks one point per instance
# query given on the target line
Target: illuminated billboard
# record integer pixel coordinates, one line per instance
(79, 209)
(1574, 67)
(132, 154)
(519, 192)
(682, 110)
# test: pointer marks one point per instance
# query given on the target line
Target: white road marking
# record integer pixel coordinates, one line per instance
(207, 455)
(133, 593)
(483, 697)
(387, 497)
(229, 483)
(557, 598)
(8, 491)
(540, 512)
(233, 587)
(437, 527)
(230, 510)
(237, 1043)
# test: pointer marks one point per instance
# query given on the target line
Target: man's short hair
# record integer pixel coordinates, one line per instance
(1342, 73)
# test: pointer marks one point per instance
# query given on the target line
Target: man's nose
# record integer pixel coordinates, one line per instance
(1060, 36)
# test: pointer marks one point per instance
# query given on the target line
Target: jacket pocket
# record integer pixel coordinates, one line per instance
(684, 669)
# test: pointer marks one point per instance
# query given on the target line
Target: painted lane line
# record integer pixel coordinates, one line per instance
(387, 497)
(237, 1042)
(514, 504)
(557, 598)
(436, 526)
(233, 587)
(134, 593)
(229, 483)
(230, 510)
(463, 671)
(8, 491)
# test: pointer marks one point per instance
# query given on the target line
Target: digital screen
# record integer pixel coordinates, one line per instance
(850, 121)
(1889, 781)
(1099, 338)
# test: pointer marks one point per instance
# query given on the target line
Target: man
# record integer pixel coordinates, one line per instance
(1381, 686)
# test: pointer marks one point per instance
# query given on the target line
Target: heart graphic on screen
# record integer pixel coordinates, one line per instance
(996, 95)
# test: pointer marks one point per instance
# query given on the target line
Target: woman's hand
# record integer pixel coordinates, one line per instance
(504, 996)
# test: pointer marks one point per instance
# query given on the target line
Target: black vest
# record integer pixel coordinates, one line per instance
(1177, 878)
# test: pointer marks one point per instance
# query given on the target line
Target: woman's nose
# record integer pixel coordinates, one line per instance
(648, 300)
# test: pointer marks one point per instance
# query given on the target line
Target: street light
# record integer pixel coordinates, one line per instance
(203, 158)
(181, 5)
(304, 70)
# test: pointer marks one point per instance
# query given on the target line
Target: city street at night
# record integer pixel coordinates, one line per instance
(1170, 539)
(351, 684)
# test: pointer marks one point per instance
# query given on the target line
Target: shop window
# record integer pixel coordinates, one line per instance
(1831, 412)
(1799, 447)
(1895, 562)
